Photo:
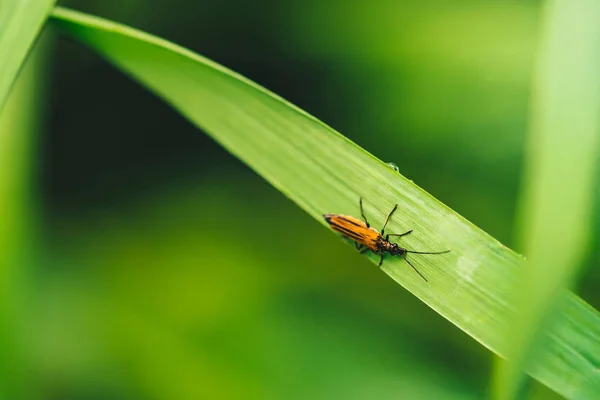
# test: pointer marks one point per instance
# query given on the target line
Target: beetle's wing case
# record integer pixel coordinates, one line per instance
(354, 229)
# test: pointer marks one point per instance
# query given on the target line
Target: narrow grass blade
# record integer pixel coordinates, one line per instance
(19, 124)
(20, 24)
(556, 205)
(323, 172)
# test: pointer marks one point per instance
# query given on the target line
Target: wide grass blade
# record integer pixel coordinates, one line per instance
(323, 172)
(556, 205)
(20, 24)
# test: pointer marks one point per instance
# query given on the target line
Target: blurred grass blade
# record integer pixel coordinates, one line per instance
(20, 23)
(556, 205)
(19, 123)
(324, 172)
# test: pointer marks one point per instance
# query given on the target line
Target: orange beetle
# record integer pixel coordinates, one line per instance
(367, 238)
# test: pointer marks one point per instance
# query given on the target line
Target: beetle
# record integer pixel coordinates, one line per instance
(367, 238)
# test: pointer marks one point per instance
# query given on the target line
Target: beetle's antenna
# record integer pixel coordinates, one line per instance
(416, 270)
(428, 252)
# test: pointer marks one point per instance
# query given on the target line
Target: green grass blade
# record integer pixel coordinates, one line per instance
(324, 172)
(20, 23)
(556, 206)
(19, 124)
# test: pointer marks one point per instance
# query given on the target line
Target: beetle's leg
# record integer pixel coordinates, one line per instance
(388, 219)
(362, 213)
(358, 246)
(381, 260)
(387, 237)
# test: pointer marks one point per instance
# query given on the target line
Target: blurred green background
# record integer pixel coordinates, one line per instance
(166, 269)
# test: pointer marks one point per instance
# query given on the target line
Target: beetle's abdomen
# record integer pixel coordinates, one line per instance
(354, 229)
